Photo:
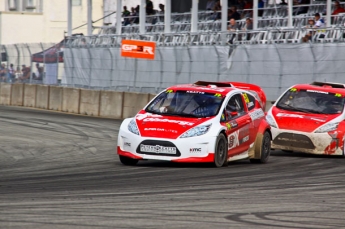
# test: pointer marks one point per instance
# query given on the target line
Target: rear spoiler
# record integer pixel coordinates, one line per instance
(329, 84)
(210, 83)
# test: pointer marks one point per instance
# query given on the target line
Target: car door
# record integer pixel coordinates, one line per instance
(256, 114)
(238, 124)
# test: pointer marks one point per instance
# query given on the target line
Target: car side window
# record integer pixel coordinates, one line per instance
(250, 100)
(234, 108)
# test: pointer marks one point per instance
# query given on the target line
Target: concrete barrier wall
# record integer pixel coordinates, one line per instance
(17, 94)
(29, 95)
(55, 98)
(42, 96)
(71, 100)
(5, 93)
(133, 102)
(89, 102)
(109, 104)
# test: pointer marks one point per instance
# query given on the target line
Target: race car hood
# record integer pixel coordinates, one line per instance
(164, 126)
(291, 120)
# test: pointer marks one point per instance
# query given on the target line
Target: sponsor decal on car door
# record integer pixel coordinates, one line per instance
(238, 124)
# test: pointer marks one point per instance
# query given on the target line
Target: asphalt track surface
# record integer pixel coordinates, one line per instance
(61, 171)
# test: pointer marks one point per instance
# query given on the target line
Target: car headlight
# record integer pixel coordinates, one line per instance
(328, 127)
(132, 127)
(271, 121)
(196, 131)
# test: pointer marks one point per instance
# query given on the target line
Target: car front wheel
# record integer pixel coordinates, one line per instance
(221, 151)
(128, 161)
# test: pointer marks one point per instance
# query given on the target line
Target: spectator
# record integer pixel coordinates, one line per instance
(137, 11)
(319, 23)
(11, 74)
(18, 73)
(3, 73)
(210, 4)
(247, 9)
(233, 25)
(26, 73)
(149, 7)
(38, 74)
(337, 8)
(310, 31)
(247, 27)
(216, 11)
(125, 15)
(132, 15)
(162, 8)
(301, 9)
(261, 5)
(232, 28)
(235, 15)
(240, 4)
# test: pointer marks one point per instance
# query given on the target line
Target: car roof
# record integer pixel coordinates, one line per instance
(322, 86)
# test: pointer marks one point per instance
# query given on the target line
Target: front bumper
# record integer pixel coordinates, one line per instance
(193, 149)
(313, 143)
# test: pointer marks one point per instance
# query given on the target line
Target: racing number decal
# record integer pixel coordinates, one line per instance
(238, 137)
(246, 99)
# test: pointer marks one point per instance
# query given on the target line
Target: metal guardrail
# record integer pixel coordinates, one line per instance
(267, 36)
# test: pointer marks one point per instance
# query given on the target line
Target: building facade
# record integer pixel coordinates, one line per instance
(38, 21)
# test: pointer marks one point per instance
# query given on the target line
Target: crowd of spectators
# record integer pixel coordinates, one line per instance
(132, 17)
(11, 75)
(241, 9)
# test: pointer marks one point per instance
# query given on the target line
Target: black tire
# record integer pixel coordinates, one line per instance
(221, 151)
(265, 149)
(128, 161)
(287, 151)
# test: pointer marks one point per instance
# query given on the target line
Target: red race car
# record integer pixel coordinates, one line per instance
(201, 122)
(309, 118)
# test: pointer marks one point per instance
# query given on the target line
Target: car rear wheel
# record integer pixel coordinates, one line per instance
(221, 151)
(265, 149)
(128, 161)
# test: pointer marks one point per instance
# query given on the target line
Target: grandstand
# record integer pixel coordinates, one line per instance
(272, 27)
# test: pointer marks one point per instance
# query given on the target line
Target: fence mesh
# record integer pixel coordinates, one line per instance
(273, 66)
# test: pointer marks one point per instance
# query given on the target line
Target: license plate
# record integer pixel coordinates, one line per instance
(157, 149)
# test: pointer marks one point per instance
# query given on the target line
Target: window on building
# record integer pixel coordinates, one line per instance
(76, 2)
(25, 5)
(30, 5)
(13, 5)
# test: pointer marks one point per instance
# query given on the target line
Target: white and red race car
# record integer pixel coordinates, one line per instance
(309, 118)
(212, 122)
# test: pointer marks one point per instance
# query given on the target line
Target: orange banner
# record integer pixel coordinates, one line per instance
(138, 49)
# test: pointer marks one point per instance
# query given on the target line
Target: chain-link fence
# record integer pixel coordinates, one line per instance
(274, 59)
(18, 65)
(274, 62)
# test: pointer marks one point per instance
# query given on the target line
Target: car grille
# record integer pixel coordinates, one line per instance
(294, 140)
(161, 148)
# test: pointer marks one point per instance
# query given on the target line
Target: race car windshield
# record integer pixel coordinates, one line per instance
(312, 101)
(186, 104)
